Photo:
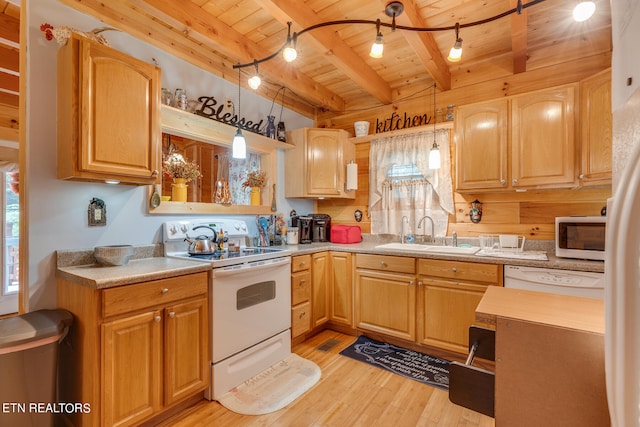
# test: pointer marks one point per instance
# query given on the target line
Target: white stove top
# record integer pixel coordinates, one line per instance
(236, 231)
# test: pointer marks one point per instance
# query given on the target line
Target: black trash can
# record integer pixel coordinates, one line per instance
(28, 367)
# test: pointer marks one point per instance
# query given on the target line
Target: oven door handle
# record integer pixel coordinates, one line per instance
(252, 266)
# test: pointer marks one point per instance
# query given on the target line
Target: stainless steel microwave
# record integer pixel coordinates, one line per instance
(581, 237)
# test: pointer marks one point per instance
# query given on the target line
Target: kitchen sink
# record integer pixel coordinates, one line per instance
(455, 250)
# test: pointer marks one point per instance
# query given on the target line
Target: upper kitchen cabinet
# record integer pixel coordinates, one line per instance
(108, 115)
(316, 167)
(523, 142)
(596, 132)
(543, 139)
(481, 137)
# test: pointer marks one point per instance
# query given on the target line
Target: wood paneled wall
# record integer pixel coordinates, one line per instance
(529, 213)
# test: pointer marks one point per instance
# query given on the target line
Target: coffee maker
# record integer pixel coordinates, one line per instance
(321, 227)
(304, 224)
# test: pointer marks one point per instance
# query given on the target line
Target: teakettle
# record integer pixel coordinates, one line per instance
(202, 245)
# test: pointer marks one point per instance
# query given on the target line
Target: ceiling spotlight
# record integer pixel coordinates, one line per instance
(254, 81)
(377, 47)
(583, 11)
(456, 51)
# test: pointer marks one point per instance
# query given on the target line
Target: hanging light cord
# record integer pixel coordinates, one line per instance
(434, 114)
(518, 9)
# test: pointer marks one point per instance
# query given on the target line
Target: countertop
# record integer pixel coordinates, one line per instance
(563, 311)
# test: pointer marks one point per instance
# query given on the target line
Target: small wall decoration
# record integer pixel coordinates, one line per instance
(358, 215)
(476, 211)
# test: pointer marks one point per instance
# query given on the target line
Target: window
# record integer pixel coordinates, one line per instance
(10, 234)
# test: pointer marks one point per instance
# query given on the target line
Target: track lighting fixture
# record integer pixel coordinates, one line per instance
(254, 81)
(583, 11)
(434, 154)
(290, 53)
(456, 50)
(239, 145)
(377, 47)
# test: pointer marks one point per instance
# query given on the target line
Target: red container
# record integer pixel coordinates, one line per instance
(346, 234)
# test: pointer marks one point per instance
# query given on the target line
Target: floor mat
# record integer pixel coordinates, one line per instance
(274, 388)
(410, 364)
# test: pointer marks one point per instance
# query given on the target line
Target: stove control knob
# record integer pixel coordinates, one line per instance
(184, 228)
(173, 229)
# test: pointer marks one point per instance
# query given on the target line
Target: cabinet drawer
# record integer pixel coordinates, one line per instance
(300, 262)
(124, 299)
(386, 263)
(300, 287)
(300, 319)
(459, 270)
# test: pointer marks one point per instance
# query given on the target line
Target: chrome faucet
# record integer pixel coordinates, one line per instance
(454, 236)
(431, 237)
(402, 235)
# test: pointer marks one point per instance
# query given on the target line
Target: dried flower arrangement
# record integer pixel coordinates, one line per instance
(255, 179)
(175, 166)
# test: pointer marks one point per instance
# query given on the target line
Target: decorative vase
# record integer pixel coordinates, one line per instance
(179, 190)
(271, 127)
(255, 196)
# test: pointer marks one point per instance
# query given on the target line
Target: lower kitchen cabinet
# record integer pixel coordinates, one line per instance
(341, 298)
(135, 350)
(448, 294)
(320, 290)
(385, 295)
(300, 295)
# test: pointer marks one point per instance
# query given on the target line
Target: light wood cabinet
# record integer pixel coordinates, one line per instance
(448, 294)
(481, 138)
(523, 142)
(135, 350)
(596, 132)
(108, 115)
(385, 294)
(316, 167)
(300, 295)
(341, 298)
(320, 288)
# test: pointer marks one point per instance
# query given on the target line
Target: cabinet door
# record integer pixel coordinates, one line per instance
(324, 162)
(341, 310)
(596, 133)
(131, 372)
(385, 303)
(481, 136)
(186, 355)
(543, 139)
(445, 312)
(319, 288)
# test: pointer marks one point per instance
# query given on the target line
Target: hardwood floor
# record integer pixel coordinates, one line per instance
(350, 393)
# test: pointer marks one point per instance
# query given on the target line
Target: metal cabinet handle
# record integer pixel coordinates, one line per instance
(582, 176)
(383, 264)
(302, 263)
(515, 181)
(455, 270)
(411, 282)
(301, 282)
(164, 290)
(154, 173)
(157, 318)
(172, 314)
(302, 314)
(419, 282)
(503, 181)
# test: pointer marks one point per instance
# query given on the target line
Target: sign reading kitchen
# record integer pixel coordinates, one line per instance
(396, 122)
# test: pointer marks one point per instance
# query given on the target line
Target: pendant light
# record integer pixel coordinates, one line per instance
(434, 154)
(456, 51)
(583, 11)
(239, 145)
(290, 53)
(377, 47)
(255, 81)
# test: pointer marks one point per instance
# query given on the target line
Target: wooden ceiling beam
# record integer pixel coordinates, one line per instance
(206, 28)
(518, 39)
(424, 45)
(334, 49)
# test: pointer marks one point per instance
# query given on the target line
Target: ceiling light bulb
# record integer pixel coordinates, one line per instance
(239, 146)
(456, 51)
(434, 157)
(583, 11)
(377, 47)
(289, 53)
(254, 82)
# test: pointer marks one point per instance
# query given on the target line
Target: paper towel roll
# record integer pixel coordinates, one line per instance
(352, 176)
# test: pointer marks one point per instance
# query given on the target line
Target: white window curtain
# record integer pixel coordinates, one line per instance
(432, 195)
(238, 170)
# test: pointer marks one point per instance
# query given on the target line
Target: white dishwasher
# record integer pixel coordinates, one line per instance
(565, 282)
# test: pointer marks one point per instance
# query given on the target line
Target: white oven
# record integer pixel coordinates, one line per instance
(250, 296)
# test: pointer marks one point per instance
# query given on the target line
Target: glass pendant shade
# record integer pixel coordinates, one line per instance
(583, 11)
(456, 51)
(377, 47)
(239, 146)
(434, 157)
(289, 54)
(254, 82)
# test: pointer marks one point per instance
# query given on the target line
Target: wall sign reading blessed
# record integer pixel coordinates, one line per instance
(214, 111)
(396, 122)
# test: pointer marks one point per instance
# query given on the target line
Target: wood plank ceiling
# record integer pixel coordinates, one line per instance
(334, 71)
